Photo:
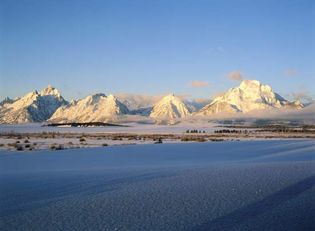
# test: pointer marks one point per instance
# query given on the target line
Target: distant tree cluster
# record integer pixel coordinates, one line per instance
(195, 131)
(231, 131)
(288, 130)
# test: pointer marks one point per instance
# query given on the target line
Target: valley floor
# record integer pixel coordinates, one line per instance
(35, 137)
(249, 185)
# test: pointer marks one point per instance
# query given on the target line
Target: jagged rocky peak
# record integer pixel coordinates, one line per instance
(32, 107)
(170, 107)
(93, 108)
(247, 83)
(170, 98)
(250, 95)
(50, 90)
(92, 99)
(253, 89)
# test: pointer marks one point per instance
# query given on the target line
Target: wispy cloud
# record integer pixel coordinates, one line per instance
(303, 96)
(235, 76)
(199, 84)
(290, 72)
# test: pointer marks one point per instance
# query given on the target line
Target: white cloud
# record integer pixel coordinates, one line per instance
(290, 72)
(199, 84)
(235, 76)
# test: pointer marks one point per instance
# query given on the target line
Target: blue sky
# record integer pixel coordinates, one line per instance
(154, 46)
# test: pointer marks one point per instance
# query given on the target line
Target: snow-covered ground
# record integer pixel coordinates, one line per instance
(256, 185)
(28, 137)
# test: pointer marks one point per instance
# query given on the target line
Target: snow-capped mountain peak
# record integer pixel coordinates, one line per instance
(91, 99)
(250, 95)
(33, 107)
(169, 107)
(93, 108)
(38, 106)
(50, 90)
(247, 83)
(170, 96)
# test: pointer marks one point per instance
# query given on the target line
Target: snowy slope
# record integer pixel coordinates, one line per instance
(93, 108)
(33, 107)
(170, 107)
(249, 96)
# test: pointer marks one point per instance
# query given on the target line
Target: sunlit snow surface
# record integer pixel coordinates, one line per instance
(249, 185)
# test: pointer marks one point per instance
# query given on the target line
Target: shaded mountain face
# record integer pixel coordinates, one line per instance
(6, 100)
(195, 105)
(141, 111)
(249, 96)
(33, 107)
(169, 107)
(93, 108)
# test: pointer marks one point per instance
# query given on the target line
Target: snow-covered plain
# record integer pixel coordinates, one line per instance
(249, 185)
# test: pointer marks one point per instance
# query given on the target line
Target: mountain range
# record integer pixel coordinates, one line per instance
(49, 105)
(32, 107)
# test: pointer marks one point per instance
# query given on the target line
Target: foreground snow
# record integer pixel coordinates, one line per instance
(260, 185)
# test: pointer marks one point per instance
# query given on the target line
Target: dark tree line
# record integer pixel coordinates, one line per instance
(195, 131)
